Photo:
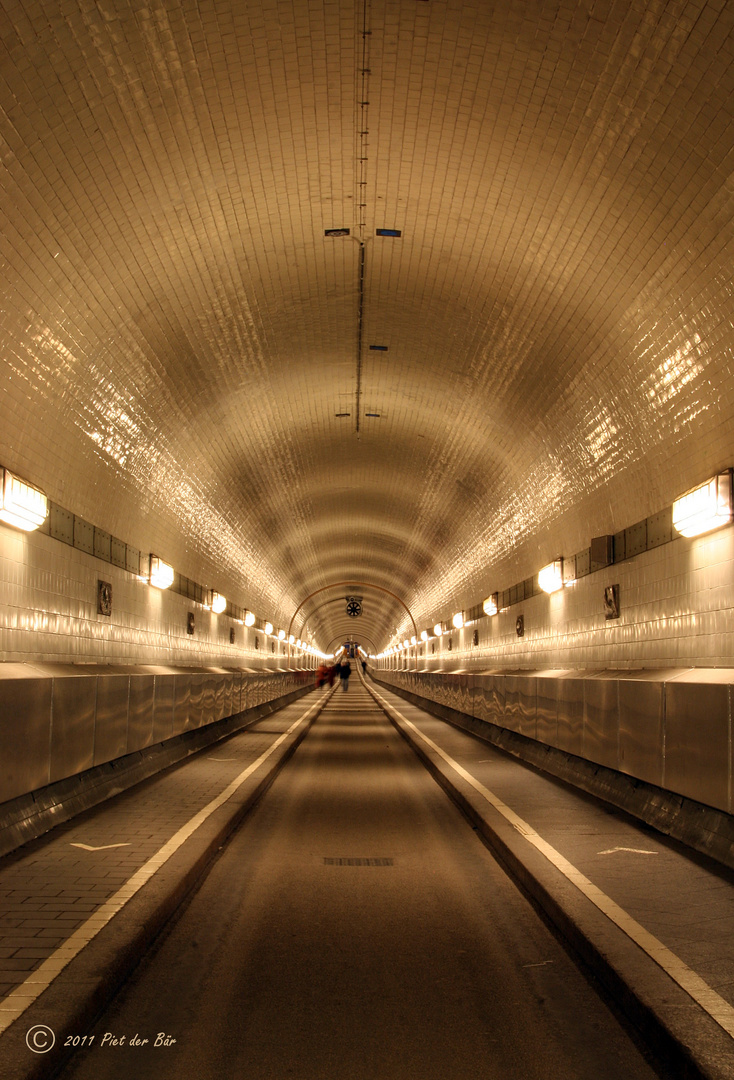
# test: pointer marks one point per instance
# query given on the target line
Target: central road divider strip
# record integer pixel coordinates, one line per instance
(716, 1006)
(15, 1004)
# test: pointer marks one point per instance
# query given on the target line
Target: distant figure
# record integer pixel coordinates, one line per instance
(334, 673)
(322, 674)
(345, 670)
(364, 667)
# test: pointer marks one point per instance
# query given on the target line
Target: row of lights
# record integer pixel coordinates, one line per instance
(696, 512)
(26, 507)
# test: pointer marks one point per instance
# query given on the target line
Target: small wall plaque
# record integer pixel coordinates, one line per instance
(520, 625)
(104, 598)
(611, 602)
(190, 623)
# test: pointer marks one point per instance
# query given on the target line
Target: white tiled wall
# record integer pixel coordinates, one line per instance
(48, 611)
(676, 610)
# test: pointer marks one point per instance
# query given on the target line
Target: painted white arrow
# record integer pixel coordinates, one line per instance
(102, 847)
(634, 850)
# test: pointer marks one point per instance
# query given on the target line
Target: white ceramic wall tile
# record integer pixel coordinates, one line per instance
(48, 611)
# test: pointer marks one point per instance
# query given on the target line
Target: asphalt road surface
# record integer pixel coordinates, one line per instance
(355, 928)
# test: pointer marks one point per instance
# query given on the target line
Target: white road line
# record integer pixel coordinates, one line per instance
(715, 1005)
(15, 1004)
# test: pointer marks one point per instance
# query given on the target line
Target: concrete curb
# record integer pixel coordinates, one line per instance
(92, 978)
(688, 1043)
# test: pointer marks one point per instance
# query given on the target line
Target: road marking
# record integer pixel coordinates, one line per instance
(712, 1003)
(103, 847)
(15, 1004)
(634, 850)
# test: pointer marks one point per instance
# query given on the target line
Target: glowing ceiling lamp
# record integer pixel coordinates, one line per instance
(249, 618)
(550, 577)
(268, 628)
(490, 606)
(217, 602)
(21, 504)
(704, 508)
(438, 629)
(161, 574)
(458, 620)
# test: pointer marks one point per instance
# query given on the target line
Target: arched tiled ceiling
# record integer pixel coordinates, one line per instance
(179, 336)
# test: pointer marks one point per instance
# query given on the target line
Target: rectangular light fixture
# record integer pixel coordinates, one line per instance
(388, 232)
(217, 602)
(704, 508)
(336, 232)
(21, 504)
(161, 574)
(490, 606)
(550, 577)
(378, 348)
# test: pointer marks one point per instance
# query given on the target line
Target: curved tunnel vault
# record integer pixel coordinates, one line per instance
(528, 346)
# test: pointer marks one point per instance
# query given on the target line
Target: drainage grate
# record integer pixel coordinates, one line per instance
(358, 862)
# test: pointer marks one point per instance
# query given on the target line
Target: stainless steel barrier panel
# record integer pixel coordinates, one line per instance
(25, 732)
(570, 734)
(72, 725)
(697, 734)
(527, 706)
(512, 703)
(164, 700)
(111, 717)
(140, 712)
(547, 711)
(641, 744)
(601, 721)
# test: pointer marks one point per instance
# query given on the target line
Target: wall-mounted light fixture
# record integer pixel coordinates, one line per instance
(406, 644)
(161, 574)
(458, 620)
(438, 629)
(292, 639)
(490, 605)
(216, 602)
(704, 508)
(413, 640)
(550, 577)
(268, 628)
(281, 635)
(249, 618)
(21, 504)
(424, 635)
